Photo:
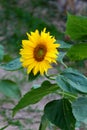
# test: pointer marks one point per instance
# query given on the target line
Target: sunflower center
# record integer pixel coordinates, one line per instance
(40, 52)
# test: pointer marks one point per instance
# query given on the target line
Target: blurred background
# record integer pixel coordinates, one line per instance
(19, 17)
(16, 18)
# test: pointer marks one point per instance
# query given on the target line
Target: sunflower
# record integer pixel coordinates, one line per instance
(38, 52)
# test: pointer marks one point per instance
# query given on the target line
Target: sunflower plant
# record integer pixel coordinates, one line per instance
(40, 53)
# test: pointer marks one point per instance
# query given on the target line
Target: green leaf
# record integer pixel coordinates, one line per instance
(7, 58)
(12, 65)
(35, 95)
(44, 123)
(76, 27)
(71, 80)
(32, 76)
(78, 51)
(63, 45)
(60, 57)
(79, 108)
(3, 128)
(63, 83)
(10, 89)
(16, 123)
(1, 52)
(59, 112)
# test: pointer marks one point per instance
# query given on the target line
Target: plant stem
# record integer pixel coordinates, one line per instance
(67, 94)
(49, 77)
(64, 65)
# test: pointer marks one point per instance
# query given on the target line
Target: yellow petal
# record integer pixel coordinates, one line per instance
(29, 60)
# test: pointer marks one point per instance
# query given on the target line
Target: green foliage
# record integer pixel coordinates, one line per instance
(32, 76)
(60, 57)
(20, 21)
(10, 89)
(1, 52)
(16, 123)
(12, 65)
(59, 112)
(68, 84)
(4, 127)
(35, 95)
(80, 108)
(81, 54)
(63, 45)
(70, 80)
(40, 3)
(76, 27)
(44, 123)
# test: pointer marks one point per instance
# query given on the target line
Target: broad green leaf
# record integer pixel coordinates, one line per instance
(32, 76)
(44, 123)
(12, 65)
(10, 89)
(1, 52)
(79, 108)
(71, 80)
(63, 45)
(59, 112)
(35, 95)
(63, 83)
(78, 51)
(76, 27)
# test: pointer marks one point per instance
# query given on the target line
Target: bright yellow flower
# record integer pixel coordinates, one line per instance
(38, 52)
